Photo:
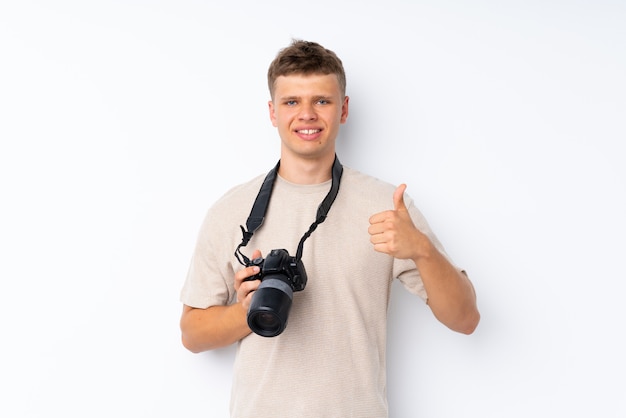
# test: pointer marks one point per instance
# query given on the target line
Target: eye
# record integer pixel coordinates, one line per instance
(290, 102)
(322, 101)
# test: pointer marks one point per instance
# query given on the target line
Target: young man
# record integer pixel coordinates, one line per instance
(329, 361)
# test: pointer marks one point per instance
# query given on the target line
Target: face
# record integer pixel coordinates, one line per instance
(308, 110)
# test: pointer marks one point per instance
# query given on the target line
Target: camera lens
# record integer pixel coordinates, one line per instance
(266, 321)
(270, 306)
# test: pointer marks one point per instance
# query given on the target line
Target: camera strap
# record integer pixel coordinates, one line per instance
(257, 214)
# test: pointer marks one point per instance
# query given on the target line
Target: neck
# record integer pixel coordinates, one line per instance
(306, 171)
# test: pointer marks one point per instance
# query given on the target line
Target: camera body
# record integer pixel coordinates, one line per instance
(280, 262)
(280, 275)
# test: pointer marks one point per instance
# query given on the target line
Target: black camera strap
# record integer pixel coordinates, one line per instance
(257, 214)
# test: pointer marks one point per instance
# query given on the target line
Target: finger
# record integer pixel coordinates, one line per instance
(380, 217)
(378, 238)
(253, 270)
(248, 287)
(245, 292)
(377, 217)
(247, 272)
(398, 198)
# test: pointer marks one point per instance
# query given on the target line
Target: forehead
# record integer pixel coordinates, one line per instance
(307, 84)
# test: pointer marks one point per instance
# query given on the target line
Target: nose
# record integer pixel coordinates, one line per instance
(307, 112)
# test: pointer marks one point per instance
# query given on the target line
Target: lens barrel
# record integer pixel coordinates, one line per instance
(270, 305)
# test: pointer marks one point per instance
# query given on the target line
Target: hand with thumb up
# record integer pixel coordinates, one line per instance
(393, 232)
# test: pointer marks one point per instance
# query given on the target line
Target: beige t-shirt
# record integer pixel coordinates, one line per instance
(330, 360)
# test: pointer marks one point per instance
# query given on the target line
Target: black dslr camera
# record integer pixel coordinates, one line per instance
(280, 276)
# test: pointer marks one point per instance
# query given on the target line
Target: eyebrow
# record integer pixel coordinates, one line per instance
(315, 98)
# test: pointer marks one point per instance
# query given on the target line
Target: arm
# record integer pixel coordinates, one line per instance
(451, 295)
(213, 327)
(220, 326)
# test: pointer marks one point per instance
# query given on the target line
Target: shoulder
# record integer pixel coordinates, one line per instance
(241, 194)
(371, 193)
(233, 207)
(357, 178)
(365, 189)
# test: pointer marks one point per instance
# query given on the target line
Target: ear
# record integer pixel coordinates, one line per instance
(344, 109)
(270, 105)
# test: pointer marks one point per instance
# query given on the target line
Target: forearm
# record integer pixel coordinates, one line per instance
(214, 327)
(451, 295)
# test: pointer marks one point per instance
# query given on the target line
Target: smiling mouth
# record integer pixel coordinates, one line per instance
(309, 131)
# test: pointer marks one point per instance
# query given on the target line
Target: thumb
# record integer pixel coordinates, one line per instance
(398, 198)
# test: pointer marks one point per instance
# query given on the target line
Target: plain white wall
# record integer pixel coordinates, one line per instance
(122, 121)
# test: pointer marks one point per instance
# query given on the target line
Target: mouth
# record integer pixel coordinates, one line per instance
(308, 131)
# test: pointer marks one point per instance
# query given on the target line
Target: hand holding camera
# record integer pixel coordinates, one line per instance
(280, 275)
(244, 285)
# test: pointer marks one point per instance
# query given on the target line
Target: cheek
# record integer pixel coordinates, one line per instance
(279, 123)
(282, 120)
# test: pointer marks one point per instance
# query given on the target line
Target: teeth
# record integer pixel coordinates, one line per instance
(309, 131)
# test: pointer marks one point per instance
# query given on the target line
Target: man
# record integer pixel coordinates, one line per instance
(329, 361)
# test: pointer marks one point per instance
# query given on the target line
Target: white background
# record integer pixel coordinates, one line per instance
(122, 121)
